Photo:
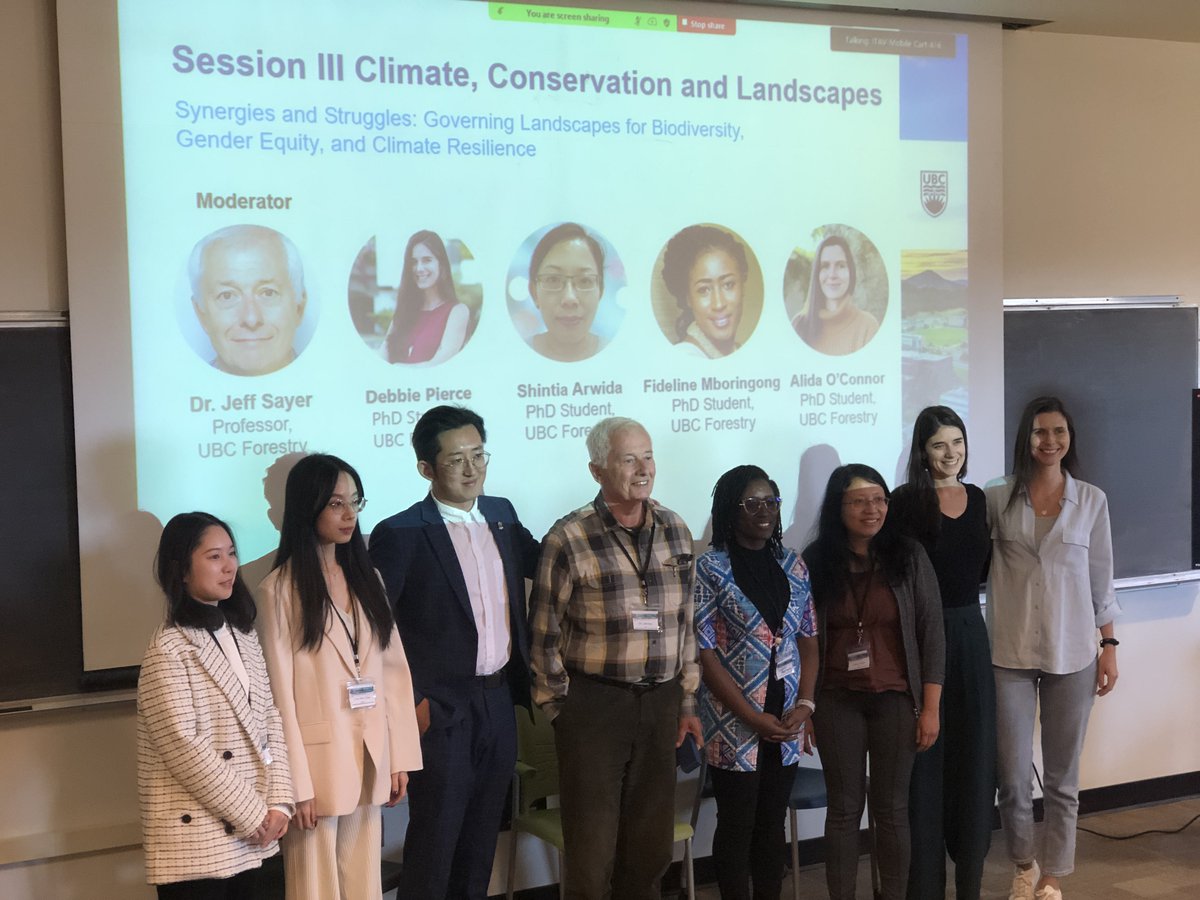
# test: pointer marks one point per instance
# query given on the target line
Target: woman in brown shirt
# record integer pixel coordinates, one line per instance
(882, 657)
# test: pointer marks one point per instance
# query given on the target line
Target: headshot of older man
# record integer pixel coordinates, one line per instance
(248, 293)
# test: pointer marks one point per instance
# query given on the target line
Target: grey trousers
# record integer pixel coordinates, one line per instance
(1066, 703)
(852, 727)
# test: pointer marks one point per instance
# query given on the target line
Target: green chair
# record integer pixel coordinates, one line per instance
(535, 785)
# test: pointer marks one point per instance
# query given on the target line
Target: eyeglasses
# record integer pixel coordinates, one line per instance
(755, 505)
(340, 506)
(478, 460)
(858, 504)
(557, 284)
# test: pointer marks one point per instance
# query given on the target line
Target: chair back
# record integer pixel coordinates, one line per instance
(537, 759)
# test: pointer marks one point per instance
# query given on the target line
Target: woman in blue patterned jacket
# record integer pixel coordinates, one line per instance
(758, 654)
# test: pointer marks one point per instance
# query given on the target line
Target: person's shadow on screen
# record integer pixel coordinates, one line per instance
(121, 555)
(816, 464)
(274, 482)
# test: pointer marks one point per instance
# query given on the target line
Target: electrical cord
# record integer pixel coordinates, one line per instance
(1121, 837)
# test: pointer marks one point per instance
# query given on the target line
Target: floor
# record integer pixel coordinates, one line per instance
(1153, 867)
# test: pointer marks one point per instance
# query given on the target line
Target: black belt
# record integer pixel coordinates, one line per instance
(492, 681)
(634, 687)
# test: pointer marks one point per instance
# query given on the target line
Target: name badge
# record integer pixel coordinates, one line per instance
(647, 620)
(361, 694)
(785, 660)
(859, 656)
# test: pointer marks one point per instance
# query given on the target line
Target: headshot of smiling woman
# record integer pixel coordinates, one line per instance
(706, 291)
(832, 320)
(566, 282)
(430, 324)
(705, 269)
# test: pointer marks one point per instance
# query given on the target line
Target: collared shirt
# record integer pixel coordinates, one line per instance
(1046, 599)
(228, 644)
(592, 577)
(483, 571)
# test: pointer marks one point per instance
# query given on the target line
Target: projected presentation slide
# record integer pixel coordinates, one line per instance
(750, 235)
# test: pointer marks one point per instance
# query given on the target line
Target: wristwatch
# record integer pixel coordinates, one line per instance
(1109, 642)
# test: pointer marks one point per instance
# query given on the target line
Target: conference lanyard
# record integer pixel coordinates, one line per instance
(642, 569)
(352, 638)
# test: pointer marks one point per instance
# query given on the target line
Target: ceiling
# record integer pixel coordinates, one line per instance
(1165, 20)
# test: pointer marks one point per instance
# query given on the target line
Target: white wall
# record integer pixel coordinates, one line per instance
(1101, 190)
(32, 229)
(1101, 186)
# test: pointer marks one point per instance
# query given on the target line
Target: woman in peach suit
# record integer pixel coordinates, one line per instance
(341, 683)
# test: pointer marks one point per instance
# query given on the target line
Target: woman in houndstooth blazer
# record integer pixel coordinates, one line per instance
(341, 682)
(213, 777)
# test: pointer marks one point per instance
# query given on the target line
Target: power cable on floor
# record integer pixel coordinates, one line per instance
(1120, 837)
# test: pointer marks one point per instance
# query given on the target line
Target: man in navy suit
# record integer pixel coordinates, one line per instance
(455, 566)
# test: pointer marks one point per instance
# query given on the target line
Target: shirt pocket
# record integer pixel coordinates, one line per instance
(1006, 533)
(1073, 557)
(613, 593)
(1077, 538)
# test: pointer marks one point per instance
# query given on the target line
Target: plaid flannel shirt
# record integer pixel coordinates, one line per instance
(590, 581)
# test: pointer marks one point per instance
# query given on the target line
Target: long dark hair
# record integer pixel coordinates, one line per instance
(828, 557)
(727, 494)
(810, 323)
(310, 484)
(172, 565)
(1023, 465)
(915, 510)
(409, 297)
(681, 254)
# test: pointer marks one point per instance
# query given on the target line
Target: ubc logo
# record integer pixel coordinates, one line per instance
(935, 191)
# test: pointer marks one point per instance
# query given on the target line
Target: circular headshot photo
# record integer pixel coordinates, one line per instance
(246, 310)
(837, 294)
(563, 292)
(413, 298)
(707, 291)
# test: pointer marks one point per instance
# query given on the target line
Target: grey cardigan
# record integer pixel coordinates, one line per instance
(921, 628)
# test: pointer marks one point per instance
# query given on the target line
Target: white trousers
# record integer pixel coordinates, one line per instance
(339, 859)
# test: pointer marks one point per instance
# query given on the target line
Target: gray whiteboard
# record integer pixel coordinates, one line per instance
(1126, 373)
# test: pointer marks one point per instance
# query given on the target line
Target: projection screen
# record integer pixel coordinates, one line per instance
(294, 226)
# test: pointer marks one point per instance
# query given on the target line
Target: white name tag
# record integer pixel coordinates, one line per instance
(361, 694)
(785, 659)
(647, 620)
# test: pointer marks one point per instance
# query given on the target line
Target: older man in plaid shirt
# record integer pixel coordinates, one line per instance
(615, 668)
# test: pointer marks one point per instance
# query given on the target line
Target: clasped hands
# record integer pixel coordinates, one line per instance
(795, 720)
(274, 826)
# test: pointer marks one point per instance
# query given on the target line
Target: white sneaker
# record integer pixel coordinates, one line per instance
(1023, 882)
(1048, 893)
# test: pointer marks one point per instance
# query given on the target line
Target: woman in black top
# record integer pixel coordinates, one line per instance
(954, 784)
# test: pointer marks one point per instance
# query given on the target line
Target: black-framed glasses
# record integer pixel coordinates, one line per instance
(340, 506)
(755, 505)
(478, 460)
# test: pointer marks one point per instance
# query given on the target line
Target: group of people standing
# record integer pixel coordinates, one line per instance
(365, 671)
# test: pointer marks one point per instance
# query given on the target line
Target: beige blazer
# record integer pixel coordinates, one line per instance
(204, 783)
(323, 733)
